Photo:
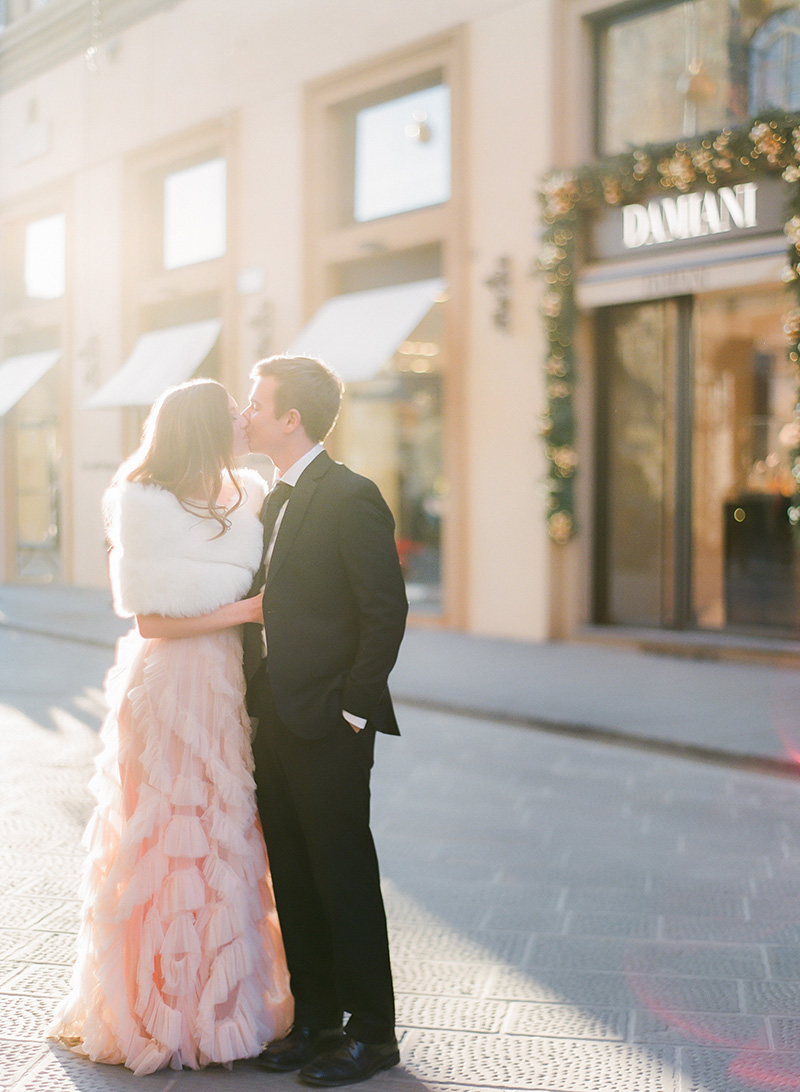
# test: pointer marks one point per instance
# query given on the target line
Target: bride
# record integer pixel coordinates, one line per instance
(180, 959)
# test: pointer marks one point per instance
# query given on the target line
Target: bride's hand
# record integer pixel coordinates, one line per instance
(253, 608)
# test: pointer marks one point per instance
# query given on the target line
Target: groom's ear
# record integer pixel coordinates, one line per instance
(293, 420)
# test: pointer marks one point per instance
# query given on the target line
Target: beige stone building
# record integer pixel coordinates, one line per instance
(188, 185)
(184, 184)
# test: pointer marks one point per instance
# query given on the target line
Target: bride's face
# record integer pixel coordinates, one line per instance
(239, 427)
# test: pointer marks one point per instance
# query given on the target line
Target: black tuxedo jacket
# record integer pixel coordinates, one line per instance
(334, 603)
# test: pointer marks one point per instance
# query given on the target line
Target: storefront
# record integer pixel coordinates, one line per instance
(671, 310)
(694, 400)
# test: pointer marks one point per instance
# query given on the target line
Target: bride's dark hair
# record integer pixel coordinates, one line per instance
(187, 443)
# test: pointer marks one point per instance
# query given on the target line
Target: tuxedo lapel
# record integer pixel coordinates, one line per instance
(296, 510)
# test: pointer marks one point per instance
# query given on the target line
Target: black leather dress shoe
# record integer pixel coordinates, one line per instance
(301, 1045)
(350, 1063)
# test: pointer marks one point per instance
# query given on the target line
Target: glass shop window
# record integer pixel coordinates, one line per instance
(668, 71)
(195, 220)
(44, 263)
(775, 64)
(402, 154)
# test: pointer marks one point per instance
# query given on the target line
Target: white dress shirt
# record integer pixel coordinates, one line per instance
(291, 477)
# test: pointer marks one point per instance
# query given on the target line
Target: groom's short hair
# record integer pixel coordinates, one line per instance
(307, 385)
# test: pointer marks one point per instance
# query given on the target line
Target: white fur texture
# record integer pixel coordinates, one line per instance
(165, 560)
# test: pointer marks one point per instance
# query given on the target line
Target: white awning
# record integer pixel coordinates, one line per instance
(160, 359)
(359, 332)
(19, 373)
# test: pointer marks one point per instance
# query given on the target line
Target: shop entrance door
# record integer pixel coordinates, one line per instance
(638, 493)
(694, 480)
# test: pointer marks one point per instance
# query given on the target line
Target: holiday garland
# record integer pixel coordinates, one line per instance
(768, 145)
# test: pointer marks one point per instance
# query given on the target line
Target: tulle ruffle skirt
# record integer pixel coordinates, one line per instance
(180, 960)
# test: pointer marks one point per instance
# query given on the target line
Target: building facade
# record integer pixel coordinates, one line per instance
(187, 186)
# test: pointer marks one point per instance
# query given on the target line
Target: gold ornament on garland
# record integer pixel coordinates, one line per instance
(767, 145)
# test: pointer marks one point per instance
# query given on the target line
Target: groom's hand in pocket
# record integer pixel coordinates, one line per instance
(356, 723)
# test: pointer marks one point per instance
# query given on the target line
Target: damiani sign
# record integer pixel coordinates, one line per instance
(676, 221)
(690, 216)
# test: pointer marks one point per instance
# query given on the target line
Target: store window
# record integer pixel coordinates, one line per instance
(389, 150)
(694, 480)
(37, 458)
(32, 260)
(33, 414)
(775, 64)
(745, 550)
(391, 429)
(44, 271)
(195, 221)
(663, 73)
(402, 154)
(30, 414)
(667, 70)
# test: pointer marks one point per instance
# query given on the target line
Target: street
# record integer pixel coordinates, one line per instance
(565, 915)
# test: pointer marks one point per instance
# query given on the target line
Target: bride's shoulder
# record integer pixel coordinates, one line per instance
(254, 488)
(127, 496)
(137, 514)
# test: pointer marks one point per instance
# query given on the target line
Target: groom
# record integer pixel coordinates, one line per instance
(334, 614)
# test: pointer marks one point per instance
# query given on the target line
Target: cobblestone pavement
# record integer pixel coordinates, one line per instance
(566, 916)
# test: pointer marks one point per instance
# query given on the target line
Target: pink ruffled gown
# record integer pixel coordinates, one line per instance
(180, 959)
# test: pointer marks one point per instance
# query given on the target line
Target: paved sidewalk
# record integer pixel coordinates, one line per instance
(742, 710)
(565, 916)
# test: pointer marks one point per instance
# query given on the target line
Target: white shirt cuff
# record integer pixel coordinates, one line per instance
(357, 722)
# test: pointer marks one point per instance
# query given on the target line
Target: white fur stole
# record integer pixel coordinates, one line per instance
(165, 560)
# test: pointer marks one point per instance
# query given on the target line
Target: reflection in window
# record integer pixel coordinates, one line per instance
(745, 551)
(195, 214)
(36, 460)
(667, 72)
(402, 158)
(44, 268)
(775, 64)
(638, 429)
(392, 430)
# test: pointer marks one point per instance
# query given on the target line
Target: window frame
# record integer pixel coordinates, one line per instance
(345, 120)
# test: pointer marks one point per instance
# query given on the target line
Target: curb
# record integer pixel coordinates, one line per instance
(754, 763)
(59, 635)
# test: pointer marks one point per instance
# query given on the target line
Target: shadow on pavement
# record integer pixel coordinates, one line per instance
(577, 916)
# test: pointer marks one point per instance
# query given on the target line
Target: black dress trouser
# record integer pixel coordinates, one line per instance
(314, 799)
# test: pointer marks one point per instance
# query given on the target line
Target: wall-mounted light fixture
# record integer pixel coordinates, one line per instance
(500, 284)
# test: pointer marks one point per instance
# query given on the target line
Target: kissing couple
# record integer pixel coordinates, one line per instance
(197, 943)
